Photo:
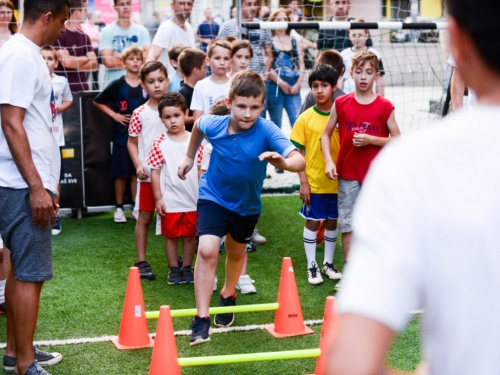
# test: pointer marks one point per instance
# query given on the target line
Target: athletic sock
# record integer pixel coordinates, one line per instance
(119, 206)
(310, 246)
(2, 291)
(330, 243)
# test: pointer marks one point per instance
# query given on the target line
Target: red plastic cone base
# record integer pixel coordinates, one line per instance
(306, 331)
(125, 347)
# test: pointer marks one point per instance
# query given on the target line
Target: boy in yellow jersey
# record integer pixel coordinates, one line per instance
(318, 193)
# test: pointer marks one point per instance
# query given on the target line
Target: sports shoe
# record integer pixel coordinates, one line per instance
(329, 270)
(2, 308)
(215, 285)
(134, 214)
(245, 285)
(250, 247)
(145, 270)
(34, 369)
(221, 247)
(174, 275)
(43, 359)
(257, 238)
(313, 275)
(57, 228)
(200, 331)
(187, 276)
(225, 320)
(119, 216)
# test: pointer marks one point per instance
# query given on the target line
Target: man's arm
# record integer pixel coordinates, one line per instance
(87, 63)
(154, 53)
(457, 90)
(41, 203)
(112, 59)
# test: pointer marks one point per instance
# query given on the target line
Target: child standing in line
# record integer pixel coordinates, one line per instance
(173, 55)
(145, 127)
(318, 193)
(63, 100)
(366, 123)
(229, 196)
(241, 54)
(175, 199)
(193, 64)
(124, 95)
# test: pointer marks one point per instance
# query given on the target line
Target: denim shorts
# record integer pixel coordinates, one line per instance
(30, 245)
(348, 192)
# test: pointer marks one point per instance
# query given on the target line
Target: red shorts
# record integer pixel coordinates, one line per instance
(177, 224)
(146, 199)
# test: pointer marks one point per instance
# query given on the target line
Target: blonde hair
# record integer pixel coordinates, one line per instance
(218, 43)
(362, 57)
(132, 50)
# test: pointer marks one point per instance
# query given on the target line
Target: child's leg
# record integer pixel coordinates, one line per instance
(120, 185)
(141, 233)
(245, 283)
(346, 244)
(330, 240)
(171, 250)
(133, 188)
(188, 247)
(235, 258)
(204, 272)
(2, 280)
(348, 193)
(244, 267)
(310, 233)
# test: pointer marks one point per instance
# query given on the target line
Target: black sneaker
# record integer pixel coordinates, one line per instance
(174, 275)
(145, 270)
(225, 320)
(2, 308)
(43, 359)
(34, 368)
(200, 331)
(187, 275)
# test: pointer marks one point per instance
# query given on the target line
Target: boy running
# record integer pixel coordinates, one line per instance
(229, 198)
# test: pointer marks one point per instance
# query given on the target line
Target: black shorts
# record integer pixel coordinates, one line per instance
(213, 219)
(121, 162)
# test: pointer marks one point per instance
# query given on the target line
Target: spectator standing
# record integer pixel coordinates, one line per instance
(8, 23)
(174, 30)
(119, 35)
(152, 24)
(29, 173)
(261, 40)
(74, 50)
(92, 29)
(207, 31)
(296, 14)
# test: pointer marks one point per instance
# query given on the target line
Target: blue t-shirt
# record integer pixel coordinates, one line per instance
(236, 175)
(175, 83)
(207, 31)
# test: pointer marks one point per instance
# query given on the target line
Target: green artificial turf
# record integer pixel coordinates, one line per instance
(92, 257)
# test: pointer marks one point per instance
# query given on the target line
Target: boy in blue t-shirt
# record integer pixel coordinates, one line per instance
(229, 197)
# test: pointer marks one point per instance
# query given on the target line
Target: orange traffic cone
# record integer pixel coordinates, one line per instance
(320, 237)
(330, 321)
(288, 321)
(134, 327)
(164, 359)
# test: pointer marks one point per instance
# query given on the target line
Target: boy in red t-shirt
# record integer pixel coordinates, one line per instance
(366, 122)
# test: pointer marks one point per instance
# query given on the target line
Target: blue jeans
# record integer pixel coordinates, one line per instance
(277, 100)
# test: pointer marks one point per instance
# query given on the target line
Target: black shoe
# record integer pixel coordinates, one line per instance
(200, 331)
(187, 275)
(2, 308)
(174, 275)
(250, 247)
(43, 359)
(145, 270)
(225, 320)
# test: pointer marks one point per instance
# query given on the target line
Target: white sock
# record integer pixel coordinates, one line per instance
(2, 291)
(330, 243)
(310, 246)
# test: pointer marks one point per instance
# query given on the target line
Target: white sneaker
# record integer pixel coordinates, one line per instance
(215, 285)
(245, 285)
(258, 239)
(313, 275)
(134, 215)
(119, 216)
(329, 270)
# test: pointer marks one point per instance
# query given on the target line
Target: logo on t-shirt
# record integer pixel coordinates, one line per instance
(120, 42)
(53, 106)
(362, 127)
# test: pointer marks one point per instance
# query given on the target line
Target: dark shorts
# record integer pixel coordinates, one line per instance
(322, 207)
(121, 163)
(30, 245)
(213, 219)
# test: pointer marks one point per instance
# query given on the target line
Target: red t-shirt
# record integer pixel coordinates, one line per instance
(353, 162)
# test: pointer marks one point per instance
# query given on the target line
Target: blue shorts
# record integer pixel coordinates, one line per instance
(322, 207)
(215, 220)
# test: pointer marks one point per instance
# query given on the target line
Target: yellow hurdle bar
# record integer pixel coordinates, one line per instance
(217, 310)
(252, 357)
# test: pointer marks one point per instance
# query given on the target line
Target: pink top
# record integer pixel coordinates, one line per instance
(93, 32)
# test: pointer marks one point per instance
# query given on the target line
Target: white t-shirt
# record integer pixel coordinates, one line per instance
(347, 55)
(26, 83)
(170, 33)
(426, 236)
(62, 93)
(471, 98)
(206, 93)
(145, 123)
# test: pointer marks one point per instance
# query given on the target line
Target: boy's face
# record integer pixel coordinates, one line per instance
(133, 63)
(202, 72)
(245, 111)
(50, 60)
(322, 91)
(156, 84)
(358, 38)
(241, 60)
(173, 118)
(364, 76)
(220, 60)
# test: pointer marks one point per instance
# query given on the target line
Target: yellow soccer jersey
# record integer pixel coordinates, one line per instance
(306, 135)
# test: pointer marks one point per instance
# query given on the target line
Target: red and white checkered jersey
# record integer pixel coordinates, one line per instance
(145, 124)
(178, 195)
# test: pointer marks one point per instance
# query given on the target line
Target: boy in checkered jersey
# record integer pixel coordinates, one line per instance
(175, 199)
(145, 127)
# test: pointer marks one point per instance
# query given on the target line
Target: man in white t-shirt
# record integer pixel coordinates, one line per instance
(457, 89)
(174, 30)
(29, 173)
(426, 229)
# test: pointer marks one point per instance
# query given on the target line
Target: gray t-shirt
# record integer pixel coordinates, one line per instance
(309, 101)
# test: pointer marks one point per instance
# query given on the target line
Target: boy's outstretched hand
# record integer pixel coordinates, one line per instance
(274, 159)
(331, 171)
(184, 167)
